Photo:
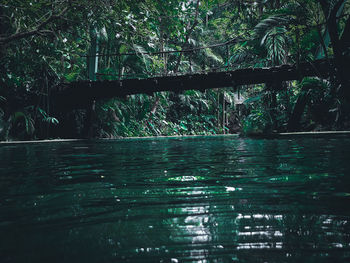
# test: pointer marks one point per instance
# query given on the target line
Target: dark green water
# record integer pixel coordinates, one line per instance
(210, 199)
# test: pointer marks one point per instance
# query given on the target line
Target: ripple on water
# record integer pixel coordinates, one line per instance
(175, 200)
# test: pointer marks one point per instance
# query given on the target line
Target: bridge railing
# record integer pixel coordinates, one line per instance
(128, 65)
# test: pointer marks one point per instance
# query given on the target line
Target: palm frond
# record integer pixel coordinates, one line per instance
(292, 8)
(314, 82)
(210, 54)
(272, 33)
(269, 23)
(28, 121)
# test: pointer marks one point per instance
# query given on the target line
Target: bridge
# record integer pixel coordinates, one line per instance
(80, 94)
(118, 83)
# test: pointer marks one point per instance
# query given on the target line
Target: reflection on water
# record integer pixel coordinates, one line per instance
(209, 199)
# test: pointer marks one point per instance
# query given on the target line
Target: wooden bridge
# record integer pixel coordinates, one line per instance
(80, 94)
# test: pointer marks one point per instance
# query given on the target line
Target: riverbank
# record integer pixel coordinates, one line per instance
(113, 139)
(300, 134)
(41, 141)
(258, 136)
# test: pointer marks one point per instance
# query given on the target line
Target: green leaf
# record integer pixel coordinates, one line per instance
(253, 99)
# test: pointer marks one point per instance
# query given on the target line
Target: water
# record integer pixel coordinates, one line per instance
(210, 199)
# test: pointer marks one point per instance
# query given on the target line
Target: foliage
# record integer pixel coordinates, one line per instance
(257, 122)
(44, 43)
(320, 102)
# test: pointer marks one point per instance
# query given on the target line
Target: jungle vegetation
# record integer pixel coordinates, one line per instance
(44, 43)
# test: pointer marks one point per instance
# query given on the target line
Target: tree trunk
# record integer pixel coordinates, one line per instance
(277, 4)
(2, 29)
(223, 113)
(340, 63)
(155, 105)
(218, 108)
(345, 38)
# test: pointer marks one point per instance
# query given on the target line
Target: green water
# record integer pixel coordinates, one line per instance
(209, 199)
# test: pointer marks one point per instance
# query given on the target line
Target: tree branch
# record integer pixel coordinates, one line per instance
(37, 31)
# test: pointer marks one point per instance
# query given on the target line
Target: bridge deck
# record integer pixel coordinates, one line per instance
(79, 94)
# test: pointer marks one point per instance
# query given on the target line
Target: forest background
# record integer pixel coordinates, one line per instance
(45, 43)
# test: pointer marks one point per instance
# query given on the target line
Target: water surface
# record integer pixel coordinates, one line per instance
(207, 199)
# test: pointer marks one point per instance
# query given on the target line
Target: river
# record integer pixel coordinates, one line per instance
(205, 199)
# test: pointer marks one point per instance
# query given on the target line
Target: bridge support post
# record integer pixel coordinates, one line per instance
(90, 119)
(92, 71)
(93, 55)
(273, 87)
